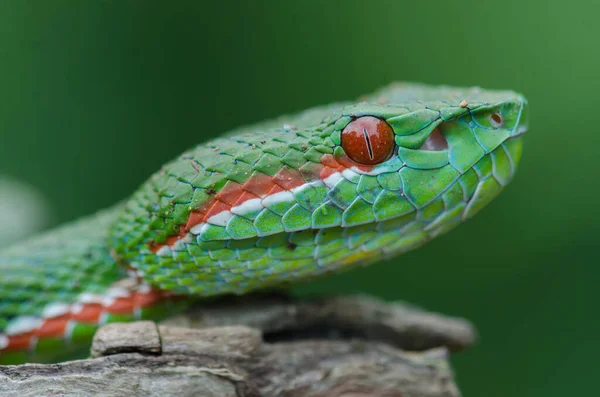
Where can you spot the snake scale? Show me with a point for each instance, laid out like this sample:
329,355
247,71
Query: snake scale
265,205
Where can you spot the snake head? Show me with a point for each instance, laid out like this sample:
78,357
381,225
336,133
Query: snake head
462,141
321,191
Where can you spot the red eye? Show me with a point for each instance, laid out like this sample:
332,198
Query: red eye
368,140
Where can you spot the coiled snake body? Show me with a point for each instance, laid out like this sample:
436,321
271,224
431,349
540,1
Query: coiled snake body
265,205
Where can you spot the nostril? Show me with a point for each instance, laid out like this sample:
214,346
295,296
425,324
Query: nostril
435,141
496,120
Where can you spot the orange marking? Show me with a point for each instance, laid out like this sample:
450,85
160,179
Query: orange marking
154,247
173,239
244,197
276,189
148,299
52,327
311,171
230,193
194,219
121,306
217,208
55,327
259,184
327,172
347,162
19,342
90,313
329,161
288,178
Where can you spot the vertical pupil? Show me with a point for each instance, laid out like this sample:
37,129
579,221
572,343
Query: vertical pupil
368,140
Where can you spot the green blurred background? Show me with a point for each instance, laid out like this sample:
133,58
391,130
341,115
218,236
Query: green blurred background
96,95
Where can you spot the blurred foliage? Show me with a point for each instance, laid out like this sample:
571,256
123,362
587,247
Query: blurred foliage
23,211
96,95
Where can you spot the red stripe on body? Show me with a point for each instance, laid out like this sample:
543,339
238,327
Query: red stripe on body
18,342
234,194
90,313
142,300
52,327
230,193
260,185
288,178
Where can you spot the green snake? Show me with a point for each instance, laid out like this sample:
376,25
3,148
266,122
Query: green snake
265,205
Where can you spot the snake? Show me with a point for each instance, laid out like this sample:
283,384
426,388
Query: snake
263,206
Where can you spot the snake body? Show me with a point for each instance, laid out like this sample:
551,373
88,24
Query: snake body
264,205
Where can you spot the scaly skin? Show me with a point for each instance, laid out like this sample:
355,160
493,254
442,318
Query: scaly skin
265,205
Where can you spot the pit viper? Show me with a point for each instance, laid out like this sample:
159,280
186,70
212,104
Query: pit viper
265,205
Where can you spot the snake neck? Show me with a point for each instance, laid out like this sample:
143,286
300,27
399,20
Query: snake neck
58,288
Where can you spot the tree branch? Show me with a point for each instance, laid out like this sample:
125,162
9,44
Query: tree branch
278,347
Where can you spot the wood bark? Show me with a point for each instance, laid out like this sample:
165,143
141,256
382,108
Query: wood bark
353,346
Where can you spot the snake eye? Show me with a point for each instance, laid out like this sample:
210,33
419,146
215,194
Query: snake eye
368,140
496,120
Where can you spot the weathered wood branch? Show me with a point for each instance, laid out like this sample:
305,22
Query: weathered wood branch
265,346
